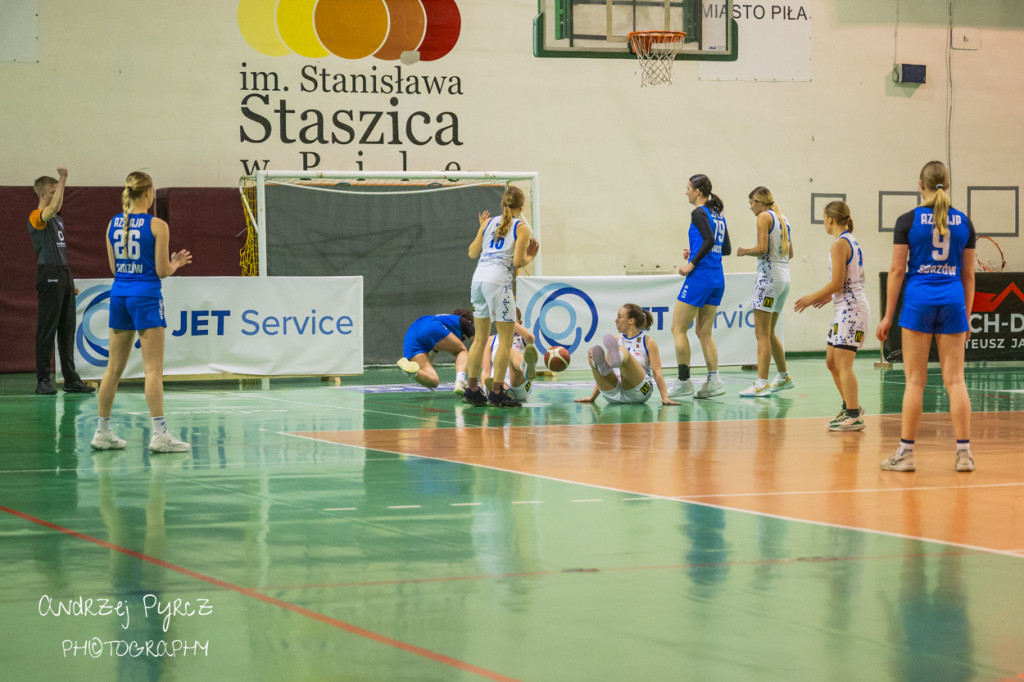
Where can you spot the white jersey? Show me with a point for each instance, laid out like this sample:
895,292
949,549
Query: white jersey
637,347
496,256
853,287
773,265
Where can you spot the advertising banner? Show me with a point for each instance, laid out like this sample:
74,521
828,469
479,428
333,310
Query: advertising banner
576,313
264,326
997,320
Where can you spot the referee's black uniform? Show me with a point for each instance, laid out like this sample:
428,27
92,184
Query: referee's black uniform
56,289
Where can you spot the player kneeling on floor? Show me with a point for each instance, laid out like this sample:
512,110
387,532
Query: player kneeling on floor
430,335
628,367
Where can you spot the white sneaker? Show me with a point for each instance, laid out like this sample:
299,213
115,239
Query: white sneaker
901,460
530,357
165,442
711,387
681,389
460,386
782,384
107,441
408,366
756,391
964,461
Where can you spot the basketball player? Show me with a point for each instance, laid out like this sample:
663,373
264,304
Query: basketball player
774,249
933,247
849,325
55,288
137,249
703,288
430,335
625,369
522,365
502,244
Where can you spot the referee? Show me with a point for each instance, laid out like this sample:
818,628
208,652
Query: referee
55,287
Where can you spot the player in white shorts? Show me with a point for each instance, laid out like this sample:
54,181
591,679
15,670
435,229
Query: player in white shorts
630,368
774,249
502,244
846,292
522,365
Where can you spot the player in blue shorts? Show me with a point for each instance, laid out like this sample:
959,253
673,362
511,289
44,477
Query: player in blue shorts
433,334
702,289
933,247
137,249
845,290
774,249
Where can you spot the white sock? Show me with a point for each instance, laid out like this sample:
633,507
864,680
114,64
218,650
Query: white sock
103,425
761,383
159,425
712,375
782,376
460,376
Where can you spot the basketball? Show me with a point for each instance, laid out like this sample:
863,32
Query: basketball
556,359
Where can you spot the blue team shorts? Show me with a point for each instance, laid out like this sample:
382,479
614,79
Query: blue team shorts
700,293
422,336
934,318
136,313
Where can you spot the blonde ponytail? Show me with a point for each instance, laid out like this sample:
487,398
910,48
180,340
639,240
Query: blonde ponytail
763,195
935,178
512,199
135,185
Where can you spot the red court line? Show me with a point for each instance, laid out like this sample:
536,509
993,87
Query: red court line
327,620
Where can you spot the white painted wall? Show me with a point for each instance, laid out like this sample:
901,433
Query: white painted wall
124,85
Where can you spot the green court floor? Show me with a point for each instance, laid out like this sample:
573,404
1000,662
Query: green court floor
265,555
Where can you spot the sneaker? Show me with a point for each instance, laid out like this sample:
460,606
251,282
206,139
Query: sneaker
964,460
78,386
165,442
839,417
681,389
460,386
614,355
601,363
757,392
711,387
849,422
474,396
45,387
530,356
901,460
408,366
782,384
107,441
500,398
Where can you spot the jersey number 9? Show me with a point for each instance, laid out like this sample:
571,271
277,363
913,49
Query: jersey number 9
941,244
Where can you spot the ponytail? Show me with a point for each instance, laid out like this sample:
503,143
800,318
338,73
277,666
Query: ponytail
935,178
840,212
643,318
135,185
763,195
702,184
512,199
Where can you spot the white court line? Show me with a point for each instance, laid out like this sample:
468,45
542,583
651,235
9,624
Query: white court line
825,524
466,504
527,502
406,506
340,509
846,492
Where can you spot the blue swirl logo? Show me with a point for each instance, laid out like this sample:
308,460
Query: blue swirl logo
556,318
94,349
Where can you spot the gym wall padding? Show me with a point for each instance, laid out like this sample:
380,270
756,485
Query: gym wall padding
207,221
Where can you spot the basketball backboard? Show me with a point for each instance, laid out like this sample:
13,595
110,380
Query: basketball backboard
600,28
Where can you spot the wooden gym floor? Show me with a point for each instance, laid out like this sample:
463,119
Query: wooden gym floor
370,530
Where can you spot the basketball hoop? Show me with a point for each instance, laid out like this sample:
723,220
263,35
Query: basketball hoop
655,50
989,256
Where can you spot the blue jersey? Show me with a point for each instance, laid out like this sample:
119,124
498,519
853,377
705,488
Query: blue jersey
134,257
935,261
709,268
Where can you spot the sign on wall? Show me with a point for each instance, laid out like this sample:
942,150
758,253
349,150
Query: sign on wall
238,325
775,44
576,313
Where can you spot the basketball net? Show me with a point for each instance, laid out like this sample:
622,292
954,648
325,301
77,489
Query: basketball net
655,50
